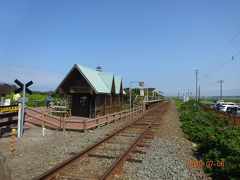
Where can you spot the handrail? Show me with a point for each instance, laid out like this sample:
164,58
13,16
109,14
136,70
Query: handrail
46,114
89,123
40,119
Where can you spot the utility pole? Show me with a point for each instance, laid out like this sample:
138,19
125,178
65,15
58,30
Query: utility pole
178,94
221,82
196,72
199,95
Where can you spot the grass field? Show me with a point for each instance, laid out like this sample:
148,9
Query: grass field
39,96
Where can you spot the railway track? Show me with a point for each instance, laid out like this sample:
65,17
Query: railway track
105,158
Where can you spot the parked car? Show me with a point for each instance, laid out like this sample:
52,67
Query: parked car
231,110
224,106
217,104
234,110
238,111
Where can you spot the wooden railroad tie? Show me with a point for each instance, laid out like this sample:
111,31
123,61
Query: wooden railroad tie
113,157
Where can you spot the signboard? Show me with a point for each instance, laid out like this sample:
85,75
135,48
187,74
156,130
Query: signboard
9,108
141,92
7,102
141,84
22,99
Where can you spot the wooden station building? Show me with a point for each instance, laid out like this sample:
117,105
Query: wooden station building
91,92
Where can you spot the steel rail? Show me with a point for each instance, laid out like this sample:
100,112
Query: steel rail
117,163
53,171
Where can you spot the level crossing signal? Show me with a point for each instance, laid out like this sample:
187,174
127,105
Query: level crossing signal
21,87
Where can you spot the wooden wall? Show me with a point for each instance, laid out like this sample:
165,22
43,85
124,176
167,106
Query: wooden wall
107,104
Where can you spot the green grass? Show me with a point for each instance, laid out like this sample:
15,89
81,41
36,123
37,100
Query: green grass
32,97
178,103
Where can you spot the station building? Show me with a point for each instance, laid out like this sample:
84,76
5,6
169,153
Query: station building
92,92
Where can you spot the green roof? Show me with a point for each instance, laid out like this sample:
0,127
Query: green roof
118,81
101,82
107,78
93,78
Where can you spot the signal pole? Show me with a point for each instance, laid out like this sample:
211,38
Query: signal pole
221,81
196,72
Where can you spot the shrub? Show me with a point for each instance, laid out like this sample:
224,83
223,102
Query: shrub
217,140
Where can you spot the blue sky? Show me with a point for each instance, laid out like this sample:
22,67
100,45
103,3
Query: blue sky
158,42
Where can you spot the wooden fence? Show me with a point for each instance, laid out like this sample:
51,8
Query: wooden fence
233,119
46,120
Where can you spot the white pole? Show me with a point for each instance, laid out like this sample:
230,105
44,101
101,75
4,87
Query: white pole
19,120
23,108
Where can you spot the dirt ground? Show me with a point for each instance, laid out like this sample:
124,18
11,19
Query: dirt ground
34,154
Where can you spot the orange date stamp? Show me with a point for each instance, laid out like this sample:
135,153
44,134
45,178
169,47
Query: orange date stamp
208,163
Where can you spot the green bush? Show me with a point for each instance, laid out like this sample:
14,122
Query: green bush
217,140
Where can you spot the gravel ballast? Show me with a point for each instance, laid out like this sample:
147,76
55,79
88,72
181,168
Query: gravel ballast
166,157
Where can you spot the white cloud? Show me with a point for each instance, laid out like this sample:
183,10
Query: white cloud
43,80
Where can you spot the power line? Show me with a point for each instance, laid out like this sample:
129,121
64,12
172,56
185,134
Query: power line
230,50
231,44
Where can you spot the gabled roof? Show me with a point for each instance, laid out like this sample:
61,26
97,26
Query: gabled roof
94,80
101,82
107,78
118,82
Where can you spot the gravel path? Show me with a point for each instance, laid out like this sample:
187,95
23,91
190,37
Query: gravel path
166,158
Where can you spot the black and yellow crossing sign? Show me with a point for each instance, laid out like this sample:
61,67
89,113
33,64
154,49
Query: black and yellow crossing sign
9,108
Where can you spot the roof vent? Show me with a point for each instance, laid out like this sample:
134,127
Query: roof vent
99,69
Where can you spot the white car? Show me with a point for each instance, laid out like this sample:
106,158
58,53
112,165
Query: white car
234,111
217,104
225,105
